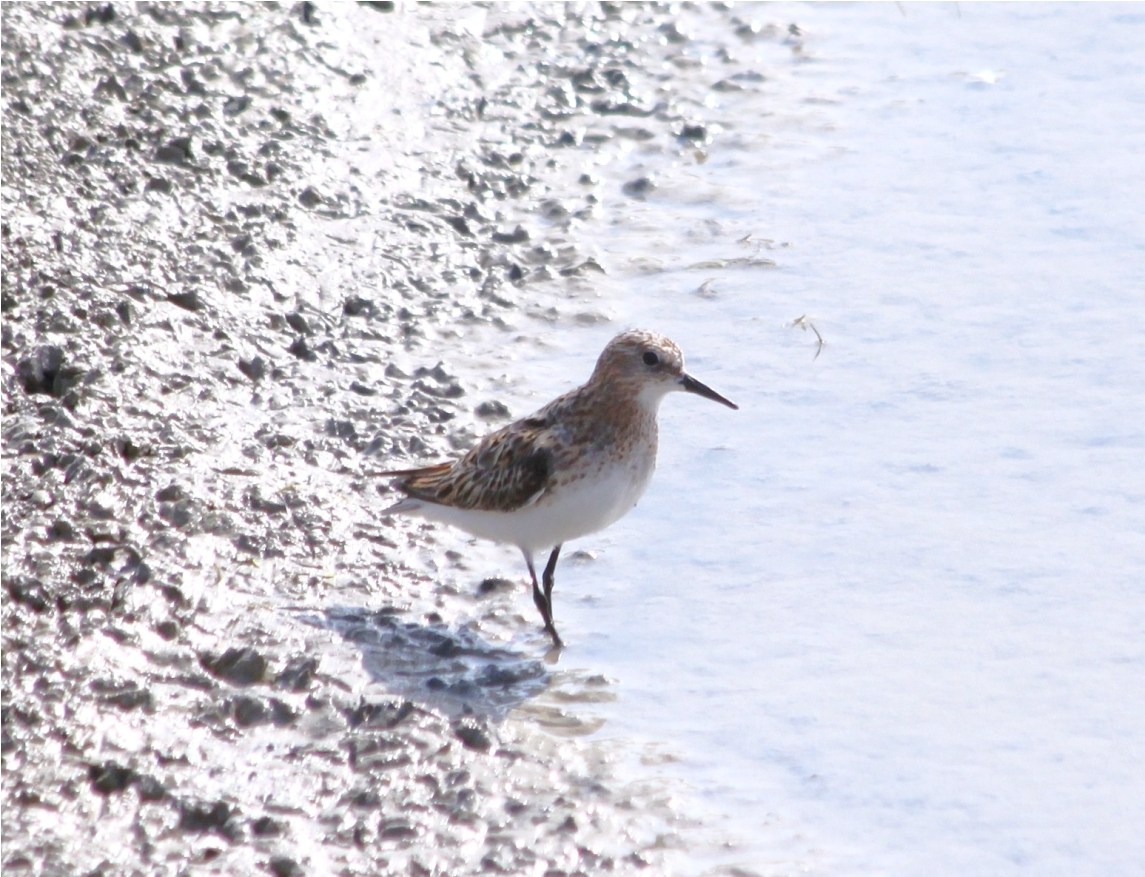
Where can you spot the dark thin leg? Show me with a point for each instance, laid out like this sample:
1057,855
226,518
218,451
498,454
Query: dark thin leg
550,569
538,597
542,600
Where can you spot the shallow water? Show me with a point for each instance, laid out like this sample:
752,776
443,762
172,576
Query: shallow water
889,617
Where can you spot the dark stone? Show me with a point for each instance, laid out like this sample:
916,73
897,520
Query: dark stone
84,577
281,866
110,777
397,829
697,133
232,106
102,513
640,134
472,735
459,225
490,586
356,306
200,818
250,544
103,555
132,41
450,390
131,451
379,714
341,429
277,440
248,711
297,675
298,323
171,493
236,666
492,410
281,713
516,236
639,188
582,268
177,151
61,530
188,301
256,503
177,514
30,593
44,372
150,789
301,349
172,594
130,698
194,86
104,14
622,108
366,799
255,368
362,389
264,826
447,648
309,197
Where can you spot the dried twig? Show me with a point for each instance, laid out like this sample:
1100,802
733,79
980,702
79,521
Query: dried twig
805,324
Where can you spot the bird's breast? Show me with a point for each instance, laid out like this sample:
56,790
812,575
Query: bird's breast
592,493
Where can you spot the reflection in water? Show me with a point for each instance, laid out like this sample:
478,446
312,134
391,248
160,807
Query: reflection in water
459,672
563,707
454,671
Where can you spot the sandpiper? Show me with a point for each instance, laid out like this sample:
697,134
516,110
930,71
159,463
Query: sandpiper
572,468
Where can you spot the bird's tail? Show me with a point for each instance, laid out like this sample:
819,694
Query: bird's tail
406,505
410,504
407,473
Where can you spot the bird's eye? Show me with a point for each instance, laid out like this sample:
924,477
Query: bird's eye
650,358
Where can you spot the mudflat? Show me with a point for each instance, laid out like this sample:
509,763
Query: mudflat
223,224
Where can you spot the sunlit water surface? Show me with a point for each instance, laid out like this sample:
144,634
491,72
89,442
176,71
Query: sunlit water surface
889,618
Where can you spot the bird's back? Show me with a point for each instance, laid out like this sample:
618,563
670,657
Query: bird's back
572,468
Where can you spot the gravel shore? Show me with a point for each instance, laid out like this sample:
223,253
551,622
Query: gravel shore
239,245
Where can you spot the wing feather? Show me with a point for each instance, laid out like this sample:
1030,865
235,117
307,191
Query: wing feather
506,470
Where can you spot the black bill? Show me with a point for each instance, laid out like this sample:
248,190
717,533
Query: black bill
690,384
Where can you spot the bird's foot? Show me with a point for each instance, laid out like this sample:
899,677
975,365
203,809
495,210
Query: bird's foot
551,630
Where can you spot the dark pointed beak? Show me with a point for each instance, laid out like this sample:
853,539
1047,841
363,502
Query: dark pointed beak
690,384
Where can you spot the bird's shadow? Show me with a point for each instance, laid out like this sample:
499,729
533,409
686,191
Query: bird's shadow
455,671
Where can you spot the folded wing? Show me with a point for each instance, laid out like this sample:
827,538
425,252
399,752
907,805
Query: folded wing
505,471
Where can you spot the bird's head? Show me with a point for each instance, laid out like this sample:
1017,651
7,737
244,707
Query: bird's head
650,366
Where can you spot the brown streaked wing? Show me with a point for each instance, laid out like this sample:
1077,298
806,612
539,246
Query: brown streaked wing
504,471
420,470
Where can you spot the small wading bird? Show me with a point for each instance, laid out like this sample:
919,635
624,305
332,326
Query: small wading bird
574,467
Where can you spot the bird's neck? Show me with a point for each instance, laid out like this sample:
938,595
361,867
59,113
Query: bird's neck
629,412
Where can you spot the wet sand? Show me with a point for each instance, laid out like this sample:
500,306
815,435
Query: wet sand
228,232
